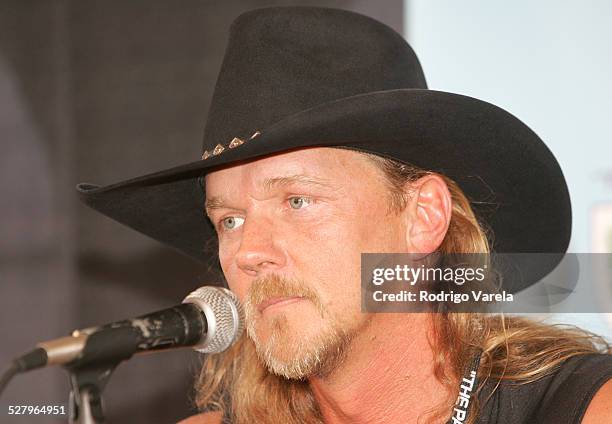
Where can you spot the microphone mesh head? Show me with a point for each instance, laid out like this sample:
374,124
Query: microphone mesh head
224,317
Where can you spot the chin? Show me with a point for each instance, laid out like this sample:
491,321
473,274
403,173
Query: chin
295,350
286,334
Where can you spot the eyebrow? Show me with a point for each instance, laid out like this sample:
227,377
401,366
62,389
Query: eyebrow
216,202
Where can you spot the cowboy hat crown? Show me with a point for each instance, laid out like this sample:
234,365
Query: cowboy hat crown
280,61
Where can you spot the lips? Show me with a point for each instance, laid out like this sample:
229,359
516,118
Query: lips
277,301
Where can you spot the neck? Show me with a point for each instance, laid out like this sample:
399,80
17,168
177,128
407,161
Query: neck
387,376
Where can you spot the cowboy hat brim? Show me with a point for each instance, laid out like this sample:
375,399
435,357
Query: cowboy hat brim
511,178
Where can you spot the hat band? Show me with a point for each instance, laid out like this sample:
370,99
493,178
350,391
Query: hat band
219,148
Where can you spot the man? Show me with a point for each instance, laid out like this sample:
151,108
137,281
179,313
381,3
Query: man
323,143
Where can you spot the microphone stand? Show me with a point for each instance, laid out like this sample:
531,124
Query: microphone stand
86,393
89,377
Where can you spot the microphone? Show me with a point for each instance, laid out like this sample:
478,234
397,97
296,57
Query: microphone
210,319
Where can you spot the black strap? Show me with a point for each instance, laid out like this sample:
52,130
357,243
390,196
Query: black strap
467,388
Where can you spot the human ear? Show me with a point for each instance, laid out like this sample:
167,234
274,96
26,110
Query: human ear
428,212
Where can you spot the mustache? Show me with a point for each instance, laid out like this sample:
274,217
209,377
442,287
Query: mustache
273,285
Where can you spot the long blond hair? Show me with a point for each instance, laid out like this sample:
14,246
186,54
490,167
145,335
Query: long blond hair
513,348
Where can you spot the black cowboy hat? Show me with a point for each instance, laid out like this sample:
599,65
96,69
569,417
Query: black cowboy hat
297,77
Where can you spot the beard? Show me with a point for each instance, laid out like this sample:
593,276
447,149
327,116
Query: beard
287,352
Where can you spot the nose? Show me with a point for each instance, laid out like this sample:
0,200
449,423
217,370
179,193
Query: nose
259,250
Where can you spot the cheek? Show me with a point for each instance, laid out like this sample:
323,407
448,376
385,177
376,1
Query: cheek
232,275
329,254
352,231
239,289
378,230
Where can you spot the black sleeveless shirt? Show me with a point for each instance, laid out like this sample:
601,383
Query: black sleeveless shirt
559,398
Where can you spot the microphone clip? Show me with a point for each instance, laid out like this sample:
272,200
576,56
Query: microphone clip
87,383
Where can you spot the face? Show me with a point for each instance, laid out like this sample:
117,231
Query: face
291,230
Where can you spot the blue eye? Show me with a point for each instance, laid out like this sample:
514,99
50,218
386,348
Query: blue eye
299,202
231,222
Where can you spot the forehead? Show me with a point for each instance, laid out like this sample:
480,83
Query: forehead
329,165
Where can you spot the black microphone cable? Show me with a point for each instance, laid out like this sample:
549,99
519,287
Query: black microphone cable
33,359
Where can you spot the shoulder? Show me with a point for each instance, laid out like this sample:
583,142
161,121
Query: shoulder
578,391
600,408
581,392
204,418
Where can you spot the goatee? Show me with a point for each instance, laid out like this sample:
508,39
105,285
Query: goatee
285,352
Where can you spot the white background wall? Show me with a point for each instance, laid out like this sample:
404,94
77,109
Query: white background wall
550,64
